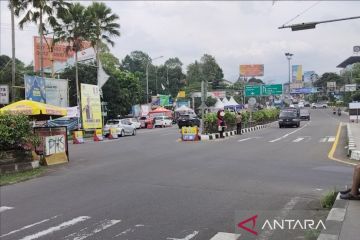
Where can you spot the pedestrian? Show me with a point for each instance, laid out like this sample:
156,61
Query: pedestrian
353,192
221,123
238,123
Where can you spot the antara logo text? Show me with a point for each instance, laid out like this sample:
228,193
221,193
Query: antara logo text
282,224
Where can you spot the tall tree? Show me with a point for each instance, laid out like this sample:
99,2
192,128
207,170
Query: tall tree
75,32
40,12
103,26
329,77
211,70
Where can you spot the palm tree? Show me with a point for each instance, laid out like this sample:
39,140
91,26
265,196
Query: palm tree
39,12
74,30
103,26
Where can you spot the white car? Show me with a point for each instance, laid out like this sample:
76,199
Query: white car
301,105
162,121
123,127
135,122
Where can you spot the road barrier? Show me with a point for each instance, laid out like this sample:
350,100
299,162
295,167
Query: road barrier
78,137
98,136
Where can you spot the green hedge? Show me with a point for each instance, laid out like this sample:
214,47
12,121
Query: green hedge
258,117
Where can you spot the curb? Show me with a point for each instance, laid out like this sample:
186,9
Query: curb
334,220
213,136
17,167
353,153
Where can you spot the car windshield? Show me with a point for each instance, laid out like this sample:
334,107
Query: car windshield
112,122
185,116
304,111
288,114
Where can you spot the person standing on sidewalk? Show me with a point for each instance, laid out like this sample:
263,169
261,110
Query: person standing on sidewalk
238,123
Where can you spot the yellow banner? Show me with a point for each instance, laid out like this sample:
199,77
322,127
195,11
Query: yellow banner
181,94
91,106
78,134
98,132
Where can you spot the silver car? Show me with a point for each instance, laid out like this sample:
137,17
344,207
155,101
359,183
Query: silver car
123,127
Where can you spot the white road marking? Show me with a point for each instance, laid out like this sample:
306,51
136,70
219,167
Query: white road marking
331,139
298,139
125,232
286,135
139,225
323,140
100,227
28,226
56,228
188,237
283,213
225,236
245,139
4,208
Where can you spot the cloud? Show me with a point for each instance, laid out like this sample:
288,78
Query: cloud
234,32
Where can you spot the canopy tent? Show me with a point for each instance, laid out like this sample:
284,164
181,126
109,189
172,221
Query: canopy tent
219,104
160,111
232,105
225,101
184,109
39,111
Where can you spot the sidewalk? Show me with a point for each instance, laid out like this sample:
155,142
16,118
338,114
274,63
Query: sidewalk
354,140
350,227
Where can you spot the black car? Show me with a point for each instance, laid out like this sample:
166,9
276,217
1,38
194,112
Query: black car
188,121
289,117
305,114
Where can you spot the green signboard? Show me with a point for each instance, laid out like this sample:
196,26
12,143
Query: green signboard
252,90
272,89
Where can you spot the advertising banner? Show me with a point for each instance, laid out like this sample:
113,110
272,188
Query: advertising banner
185,103
145,108
350,87
59,55
189,133
72,112
251,70
35,88
164,100
296,73
296,85
91,106
218,94
56,92
308,76
4,94
181,94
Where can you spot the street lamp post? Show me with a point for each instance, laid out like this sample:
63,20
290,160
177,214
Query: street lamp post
147,76
289,56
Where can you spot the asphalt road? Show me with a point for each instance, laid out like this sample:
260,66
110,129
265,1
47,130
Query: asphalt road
153,187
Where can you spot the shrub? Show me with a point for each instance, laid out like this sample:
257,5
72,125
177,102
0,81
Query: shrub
258,117
16,132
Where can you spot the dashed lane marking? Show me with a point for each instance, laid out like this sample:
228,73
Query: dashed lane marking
5,208
225,236
56,228
298,140
28,226
82,234
286,135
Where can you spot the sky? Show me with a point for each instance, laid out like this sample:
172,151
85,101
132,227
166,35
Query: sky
234,32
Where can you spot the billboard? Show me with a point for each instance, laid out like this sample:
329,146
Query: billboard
296,73
251,70
35,88
56,92
91,106
4,94
350,87
308,76
59,55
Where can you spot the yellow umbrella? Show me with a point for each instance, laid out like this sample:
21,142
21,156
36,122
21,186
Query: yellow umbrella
35,109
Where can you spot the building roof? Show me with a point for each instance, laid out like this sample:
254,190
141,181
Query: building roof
349,61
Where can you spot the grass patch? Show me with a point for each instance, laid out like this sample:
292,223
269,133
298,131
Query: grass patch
327,201
312,234
11,178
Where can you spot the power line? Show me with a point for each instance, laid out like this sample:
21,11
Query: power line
302,13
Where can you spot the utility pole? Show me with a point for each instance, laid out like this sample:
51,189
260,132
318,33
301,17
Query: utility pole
289,56
13,66
147,76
